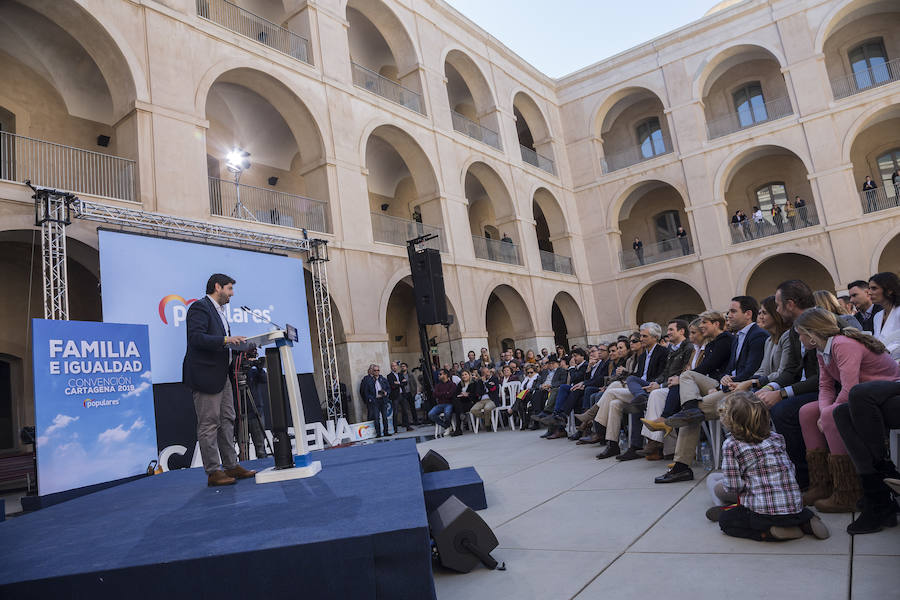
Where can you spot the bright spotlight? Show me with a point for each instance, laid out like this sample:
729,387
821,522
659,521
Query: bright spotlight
237,160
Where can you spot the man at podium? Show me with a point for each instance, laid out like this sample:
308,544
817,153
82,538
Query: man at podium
205,371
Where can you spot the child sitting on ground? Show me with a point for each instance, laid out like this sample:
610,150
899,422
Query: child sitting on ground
757,471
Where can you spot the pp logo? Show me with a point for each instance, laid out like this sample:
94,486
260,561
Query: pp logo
179,311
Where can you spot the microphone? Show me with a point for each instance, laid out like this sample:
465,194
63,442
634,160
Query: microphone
260,315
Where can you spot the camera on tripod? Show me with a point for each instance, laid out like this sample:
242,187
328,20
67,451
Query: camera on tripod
248,369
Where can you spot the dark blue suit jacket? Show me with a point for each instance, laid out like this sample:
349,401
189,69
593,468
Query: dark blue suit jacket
367,387
205,366
751,356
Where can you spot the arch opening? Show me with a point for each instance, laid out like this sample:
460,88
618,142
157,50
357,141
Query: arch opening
781,267
492,219
653,213
875,153
668,299
634,129
507,318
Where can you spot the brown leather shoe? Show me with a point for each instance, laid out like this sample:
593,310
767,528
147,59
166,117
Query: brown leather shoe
595,438
559,433
217,478
239,472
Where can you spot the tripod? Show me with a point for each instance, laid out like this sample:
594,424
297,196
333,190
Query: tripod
248,428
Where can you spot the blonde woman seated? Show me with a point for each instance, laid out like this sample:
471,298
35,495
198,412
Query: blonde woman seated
846,357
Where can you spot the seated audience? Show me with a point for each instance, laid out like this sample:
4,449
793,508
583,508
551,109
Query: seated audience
490,398
444,396
468,390
864,308
884,290
872,409
846,357
828,301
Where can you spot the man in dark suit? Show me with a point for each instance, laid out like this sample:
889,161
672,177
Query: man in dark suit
577,374
399,384
865,309
205,372
374,389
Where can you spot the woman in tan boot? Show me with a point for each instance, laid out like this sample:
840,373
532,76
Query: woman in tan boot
848,357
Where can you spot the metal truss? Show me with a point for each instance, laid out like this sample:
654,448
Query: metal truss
52,214
318,259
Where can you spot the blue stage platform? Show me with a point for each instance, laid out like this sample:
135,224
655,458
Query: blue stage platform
356,530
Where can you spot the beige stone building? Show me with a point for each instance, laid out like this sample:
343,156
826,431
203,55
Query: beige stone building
370,120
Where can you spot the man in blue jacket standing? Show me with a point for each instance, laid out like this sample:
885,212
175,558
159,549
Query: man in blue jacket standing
205,371
374,389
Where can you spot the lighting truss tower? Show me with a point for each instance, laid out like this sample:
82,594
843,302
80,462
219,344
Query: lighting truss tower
53,210
51,214
318,259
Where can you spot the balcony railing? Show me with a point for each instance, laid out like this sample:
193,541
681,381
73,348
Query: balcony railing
397,231
496,250
266,206
53,165
556,263
748,231
475,130
384,87
744,119
249,25
538,160
632,156
880,199
654,253
860,81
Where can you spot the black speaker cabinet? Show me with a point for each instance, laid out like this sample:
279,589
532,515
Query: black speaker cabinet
432,461
456,530
428,287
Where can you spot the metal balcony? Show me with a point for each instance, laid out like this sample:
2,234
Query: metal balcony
654,253
631,156
538,160
475,130
252,26
748,231
397,231
48,164
266,206
496,250
881,198
757,115
860,81
556,263
378,84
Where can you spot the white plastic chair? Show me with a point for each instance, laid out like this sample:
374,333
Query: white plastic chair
894,436
713,430
508,392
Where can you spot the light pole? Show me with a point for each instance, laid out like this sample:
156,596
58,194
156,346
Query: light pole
237,161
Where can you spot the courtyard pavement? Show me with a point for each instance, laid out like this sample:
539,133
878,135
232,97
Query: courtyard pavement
573,527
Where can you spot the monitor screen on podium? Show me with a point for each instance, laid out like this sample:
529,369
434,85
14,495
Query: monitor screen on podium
153,281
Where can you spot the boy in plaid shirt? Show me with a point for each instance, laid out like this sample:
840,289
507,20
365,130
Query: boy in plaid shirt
756,469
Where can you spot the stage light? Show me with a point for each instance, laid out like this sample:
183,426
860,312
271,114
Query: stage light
273,180
237,160
103,140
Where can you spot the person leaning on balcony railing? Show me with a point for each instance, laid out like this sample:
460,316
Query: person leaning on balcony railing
895,181
777,218
790,211
681,234
870,188
758,221
638,246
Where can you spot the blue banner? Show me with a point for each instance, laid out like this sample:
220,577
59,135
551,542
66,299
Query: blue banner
93,403
153,281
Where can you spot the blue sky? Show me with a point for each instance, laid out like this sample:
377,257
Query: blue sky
565,35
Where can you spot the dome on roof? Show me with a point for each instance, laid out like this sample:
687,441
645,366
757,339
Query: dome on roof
722,6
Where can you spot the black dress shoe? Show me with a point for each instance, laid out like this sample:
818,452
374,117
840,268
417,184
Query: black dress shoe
456,432
547,420
630,454
612,449
671,476
575,436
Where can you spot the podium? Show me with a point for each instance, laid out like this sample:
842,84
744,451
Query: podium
284,340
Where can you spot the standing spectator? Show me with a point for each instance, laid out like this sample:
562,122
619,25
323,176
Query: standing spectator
846,357
865,308
444,395
758,221
745,225
790,211
884,289
472,364
398,382
800,205
756,468
870,188
374,389
638,246
408,391
506,239
778,218
738,234
895,181
682,236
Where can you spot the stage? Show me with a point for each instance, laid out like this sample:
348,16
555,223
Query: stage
356,530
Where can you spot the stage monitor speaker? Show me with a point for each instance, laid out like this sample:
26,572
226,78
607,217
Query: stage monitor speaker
432,461
462,537
428,287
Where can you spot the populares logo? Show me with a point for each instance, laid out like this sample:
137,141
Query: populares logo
180,308
179,311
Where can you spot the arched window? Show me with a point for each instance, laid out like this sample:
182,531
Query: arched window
888,163
771,194
750,104
650,138
869,63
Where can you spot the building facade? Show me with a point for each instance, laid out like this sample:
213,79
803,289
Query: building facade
372,121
